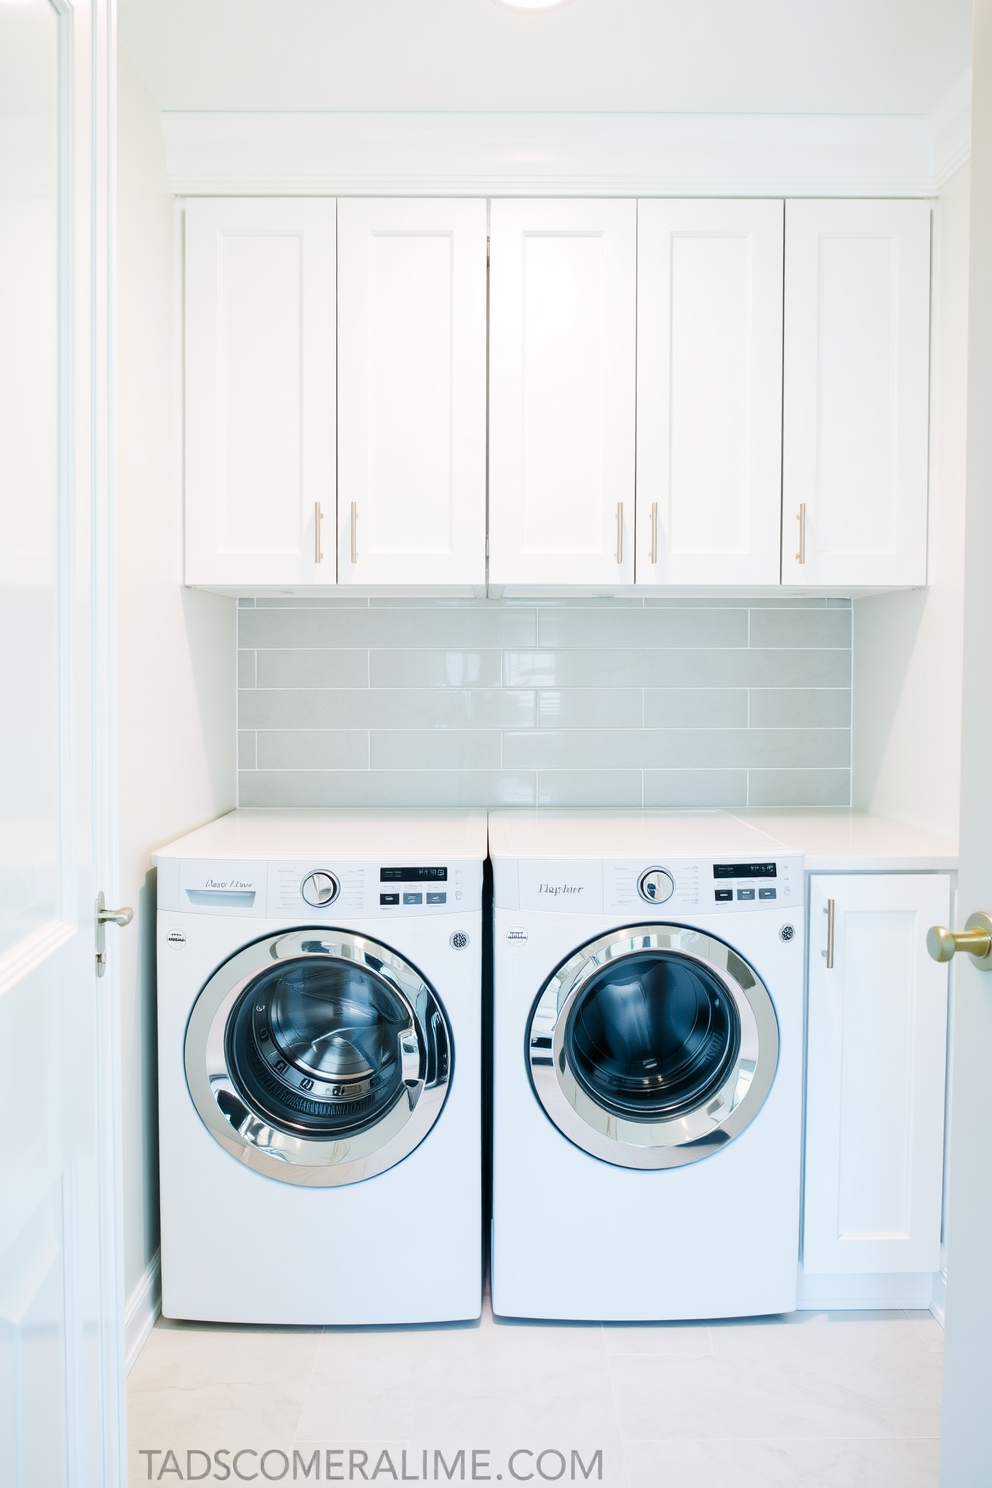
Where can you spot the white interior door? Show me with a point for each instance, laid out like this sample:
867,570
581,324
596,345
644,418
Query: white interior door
857,374
259,375
709,391
561,392
61,1340
876,1040
966,1442
412,392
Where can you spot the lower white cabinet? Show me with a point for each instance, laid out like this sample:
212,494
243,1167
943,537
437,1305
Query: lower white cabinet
877,1034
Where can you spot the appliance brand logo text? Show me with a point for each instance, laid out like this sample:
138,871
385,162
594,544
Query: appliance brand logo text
555,889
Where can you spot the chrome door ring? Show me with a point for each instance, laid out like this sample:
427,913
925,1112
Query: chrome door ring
252,1137
630,1143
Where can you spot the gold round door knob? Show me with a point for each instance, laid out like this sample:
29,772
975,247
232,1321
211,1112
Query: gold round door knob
975,938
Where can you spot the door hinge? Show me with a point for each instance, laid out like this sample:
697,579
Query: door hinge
105,917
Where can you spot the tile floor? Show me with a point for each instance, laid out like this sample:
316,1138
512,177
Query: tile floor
836,1400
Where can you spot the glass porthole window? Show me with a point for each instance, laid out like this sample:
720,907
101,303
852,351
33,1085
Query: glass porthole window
652,1036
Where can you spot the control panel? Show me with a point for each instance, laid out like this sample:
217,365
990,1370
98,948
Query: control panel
672,885
328,891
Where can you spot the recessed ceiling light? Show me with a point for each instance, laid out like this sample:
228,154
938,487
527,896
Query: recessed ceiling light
532,4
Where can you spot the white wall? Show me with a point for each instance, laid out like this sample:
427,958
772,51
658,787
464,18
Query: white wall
176,646
907,647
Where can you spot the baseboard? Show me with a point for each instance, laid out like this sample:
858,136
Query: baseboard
857,1292
143,1307
939,1298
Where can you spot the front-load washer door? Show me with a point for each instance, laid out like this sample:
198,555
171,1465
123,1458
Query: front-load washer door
318,1056
653,1046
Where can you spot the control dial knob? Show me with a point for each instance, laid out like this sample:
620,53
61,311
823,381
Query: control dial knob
320,889
656,885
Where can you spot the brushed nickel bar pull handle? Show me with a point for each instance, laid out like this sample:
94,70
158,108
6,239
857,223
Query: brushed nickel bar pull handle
619,531
654,532
829,952
801,519
318,556
354,532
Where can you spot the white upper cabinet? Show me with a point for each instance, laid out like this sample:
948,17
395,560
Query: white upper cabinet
877,1030
562,393
857,317
412,392
709,391
260,418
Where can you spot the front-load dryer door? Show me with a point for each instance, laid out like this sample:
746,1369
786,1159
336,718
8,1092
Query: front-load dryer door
318,1057
653,1046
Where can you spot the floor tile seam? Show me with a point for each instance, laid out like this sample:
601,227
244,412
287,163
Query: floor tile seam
309,1385
564,729
759,1440
616,1402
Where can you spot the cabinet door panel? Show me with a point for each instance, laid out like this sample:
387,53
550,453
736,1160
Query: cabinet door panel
412,392
260,361
875,1076
562,404
857,318
709,387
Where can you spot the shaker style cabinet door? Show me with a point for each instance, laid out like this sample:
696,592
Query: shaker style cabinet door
709,391
561,393
875,1074
855,449
259,360
412,392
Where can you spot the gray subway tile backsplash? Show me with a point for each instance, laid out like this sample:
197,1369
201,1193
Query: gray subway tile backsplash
661,702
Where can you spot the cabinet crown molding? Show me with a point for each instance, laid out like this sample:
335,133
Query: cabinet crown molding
449,154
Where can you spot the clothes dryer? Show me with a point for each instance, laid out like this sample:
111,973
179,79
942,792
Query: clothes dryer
648,1055
319,1014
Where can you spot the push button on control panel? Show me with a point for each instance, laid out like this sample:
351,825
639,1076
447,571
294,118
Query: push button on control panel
413,898
766,893
723,896
389,898
745,893
437,898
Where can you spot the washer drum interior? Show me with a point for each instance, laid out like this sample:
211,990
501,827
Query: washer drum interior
653,1046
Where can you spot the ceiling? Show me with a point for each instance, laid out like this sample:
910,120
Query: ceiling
669,56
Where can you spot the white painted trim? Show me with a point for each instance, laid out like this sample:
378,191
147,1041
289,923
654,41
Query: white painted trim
950,130
857,1292
142,1310
464,154
939,1299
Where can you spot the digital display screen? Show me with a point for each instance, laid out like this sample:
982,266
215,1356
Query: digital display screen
413,875
744,870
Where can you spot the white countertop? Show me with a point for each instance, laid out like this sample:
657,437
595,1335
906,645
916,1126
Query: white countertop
354,833
591,834
842,838
831,838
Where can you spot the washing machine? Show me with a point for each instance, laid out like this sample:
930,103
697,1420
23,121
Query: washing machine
319,1023
648,1055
